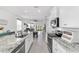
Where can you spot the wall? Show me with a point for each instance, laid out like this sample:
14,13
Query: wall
11,20
69,15
52,16
23,26
28,21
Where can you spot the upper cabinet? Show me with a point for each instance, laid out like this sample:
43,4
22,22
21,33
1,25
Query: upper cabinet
69,16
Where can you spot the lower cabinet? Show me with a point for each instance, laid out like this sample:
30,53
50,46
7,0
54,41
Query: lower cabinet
22,49
25,45
28,42
57,48
49,44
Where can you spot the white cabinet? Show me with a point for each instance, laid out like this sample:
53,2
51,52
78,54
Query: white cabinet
26,45
57,48
28,42
69,16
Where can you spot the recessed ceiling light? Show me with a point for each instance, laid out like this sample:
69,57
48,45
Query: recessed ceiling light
36,7
39,11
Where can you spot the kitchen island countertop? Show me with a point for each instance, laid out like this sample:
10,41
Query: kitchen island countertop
10,42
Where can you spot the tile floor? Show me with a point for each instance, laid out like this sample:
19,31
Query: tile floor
39,44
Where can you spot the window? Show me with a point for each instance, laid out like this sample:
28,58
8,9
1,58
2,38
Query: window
19,25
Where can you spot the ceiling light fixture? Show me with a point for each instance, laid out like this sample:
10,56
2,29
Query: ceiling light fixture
39,11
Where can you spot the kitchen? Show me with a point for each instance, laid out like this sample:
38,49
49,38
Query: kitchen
39,29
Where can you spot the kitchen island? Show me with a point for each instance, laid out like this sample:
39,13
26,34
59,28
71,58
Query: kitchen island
11,44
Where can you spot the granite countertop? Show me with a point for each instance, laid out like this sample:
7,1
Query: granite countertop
8,43
70,47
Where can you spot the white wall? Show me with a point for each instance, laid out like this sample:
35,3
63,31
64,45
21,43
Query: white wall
52,16
11,19
69,15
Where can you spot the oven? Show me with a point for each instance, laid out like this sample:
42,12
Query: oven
49,44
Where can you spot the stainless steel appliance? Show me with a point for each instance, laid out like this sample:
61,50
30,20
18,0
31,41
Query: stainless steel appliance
50,42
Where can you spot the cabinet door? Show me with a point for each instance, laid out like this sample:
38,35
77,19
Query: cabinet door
57,48
28,42
54,46
60,49
22,49
69,16
26,45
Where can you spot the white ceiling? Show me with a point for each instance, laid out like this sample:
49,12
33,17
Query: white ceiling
36,13
29,12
